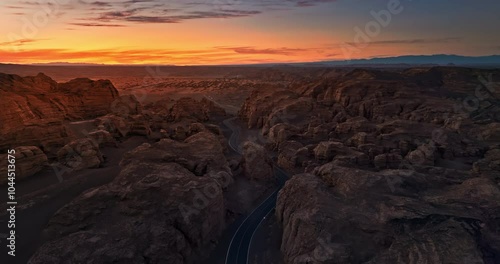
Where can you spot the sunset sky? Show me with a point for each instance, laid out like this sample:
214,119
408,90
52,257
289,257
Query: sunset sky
190,32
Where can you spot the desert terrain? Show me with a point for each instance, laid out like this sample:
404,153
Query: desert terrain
242,164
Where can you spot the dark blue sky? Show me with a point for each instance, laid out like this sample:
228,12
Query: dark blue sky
240,31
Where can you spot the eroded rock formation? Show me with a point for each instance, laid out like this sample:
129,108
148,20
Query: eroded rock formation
166,206
256,163
80,154
28,161
399,170
34,108
189,108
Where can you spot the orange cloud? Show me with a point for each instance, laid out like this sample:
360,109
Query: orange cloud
183,57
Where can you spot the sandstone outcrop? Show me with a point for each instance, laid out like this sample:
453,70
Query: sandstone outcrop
326,151
260,104
48,134
117,126
292,154
122,126
342,217
139,126
28,161
102,138
80,154
87,98
423,155
489,164
35,107
165,206
191,109
201,154
281,132
388,165
398,169
126,105
256,163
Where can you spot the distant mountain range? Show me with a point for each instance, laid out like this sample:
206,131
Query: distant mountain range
438,59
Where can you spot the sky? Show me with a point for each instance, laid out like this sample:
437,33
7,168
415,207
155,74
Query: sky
207,32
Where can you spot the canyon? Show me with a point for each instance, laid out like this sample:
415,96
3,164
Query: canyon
375,165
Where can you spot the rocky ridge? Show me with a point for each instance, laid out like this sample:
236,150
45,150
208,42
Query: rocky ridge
398,167
36,108
125,221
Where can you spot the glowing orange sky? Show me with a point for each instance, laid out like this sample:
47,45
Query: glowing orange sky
229,31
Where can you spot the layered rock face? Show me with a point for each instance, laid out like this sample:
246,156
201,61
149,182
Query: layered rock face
88,99
47,134
126,105
117,126
269,107
399,167
35,107
125,118
80,154
189,108
416,116
165,206
344,215
256,163
102,138
28,161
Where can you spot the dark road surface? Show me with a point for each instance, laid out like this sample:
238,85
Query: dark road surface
32,220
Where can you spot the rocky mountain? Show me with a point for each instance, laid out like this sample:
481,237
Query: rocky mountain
191,109
391,166
28,161
166,206
35,108
167,203
436,59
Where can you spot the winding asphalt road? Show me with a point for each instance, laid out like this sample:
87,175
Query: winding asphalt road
239,247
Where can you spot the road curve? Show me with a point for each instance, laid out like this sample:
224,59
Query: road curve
239,247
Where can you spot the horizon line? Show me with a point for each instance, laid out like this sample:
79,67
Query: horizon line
76,64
